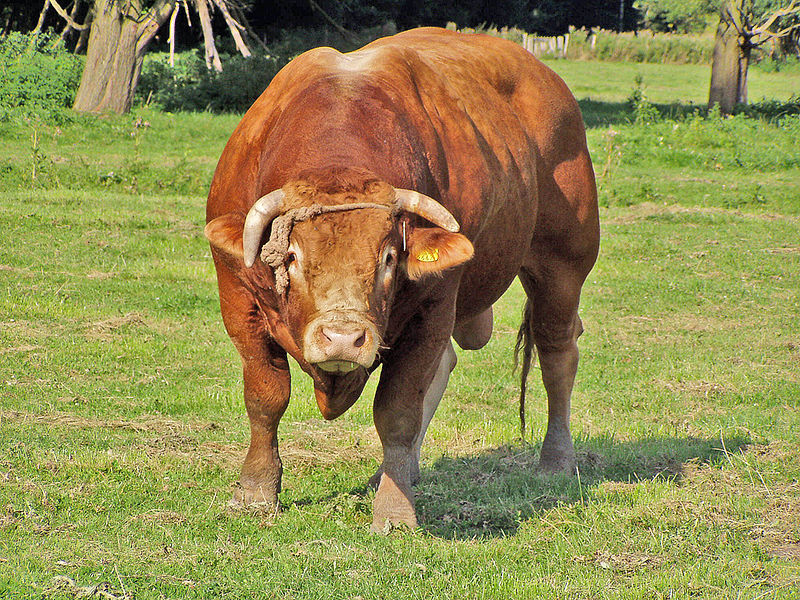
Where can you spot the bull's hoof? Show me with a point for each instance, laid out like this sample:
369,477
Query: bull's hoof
261,497
558,452
556,461
393,507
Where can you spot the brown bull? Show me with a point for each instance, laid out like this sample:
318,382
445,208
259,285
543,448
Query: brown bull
372,205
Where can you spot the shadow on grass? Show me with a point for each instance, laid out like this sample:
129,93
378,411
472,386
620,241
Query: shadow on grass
598,113
490,494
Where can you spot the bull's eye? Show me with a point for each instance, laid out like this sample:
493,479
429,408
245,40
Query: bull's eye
390,258
291,258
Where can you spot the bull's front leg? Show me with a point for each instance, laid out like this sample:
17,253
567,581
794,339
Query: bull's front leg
266,396
399,414
266,390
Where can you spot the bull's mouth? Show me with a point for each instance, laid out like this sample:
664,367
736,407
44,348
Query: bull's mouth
337,367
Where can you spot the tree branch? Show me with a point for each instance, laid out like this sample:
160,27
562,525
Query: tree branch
235,28
762,32
42,15
172,19
347,34
63,14
152,21
242,18
793,8
212,56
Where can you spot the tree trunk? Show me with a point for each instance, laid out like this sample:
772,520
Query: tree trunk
744,64
83,38
726,68
73,15
114,56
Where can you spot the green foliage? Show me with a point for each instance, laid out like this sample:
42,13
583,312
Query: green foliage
189,85
644,46
643,110
677,16
36,74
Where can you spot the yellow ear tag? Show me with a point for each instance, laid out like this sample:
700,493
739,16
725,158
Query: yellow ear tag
428,255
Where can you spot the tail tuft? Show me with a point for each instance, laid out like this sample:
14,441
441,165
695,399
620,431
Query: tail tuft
525,344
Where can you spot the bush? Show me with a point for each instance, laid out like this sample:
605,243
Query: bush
644,46
189,85
37,73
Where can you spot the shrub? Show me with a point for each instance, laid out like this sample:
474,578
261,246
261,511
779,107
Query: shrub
37,73
644,46
189,85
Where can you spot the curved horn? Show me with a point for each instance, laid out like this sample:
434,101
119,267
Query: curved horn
427,208
258,219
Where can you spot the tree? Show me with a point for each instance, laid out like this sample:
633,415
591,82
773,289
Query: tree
740,30
121,31
678,16
118,40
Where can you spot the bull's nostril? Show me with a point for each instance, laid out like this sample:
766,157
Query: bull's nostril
335,340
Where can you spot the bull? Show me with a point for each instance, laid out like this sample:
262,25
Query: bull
372,206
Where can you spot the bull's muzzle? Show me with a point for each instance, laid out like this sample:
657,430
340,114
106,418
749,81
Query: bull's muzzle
340,344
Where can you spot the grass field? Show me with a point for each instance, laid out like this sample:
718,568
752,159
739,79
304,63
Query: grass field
122,426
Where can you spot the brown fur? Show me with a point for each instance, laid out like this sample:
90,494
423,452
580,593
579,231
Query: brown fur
474,122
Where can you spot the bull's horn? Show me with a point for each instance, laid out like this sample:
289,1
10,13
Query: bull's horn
258,219
426,207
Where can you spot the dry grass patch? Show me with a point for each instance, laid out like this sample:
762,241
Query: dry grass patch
148,423
106,329
625,562
315,443
646,210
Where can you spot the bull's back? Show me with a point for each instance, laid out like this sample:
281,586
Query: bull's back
519,176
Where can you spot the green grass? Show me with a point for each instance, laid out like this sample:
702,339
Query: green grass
665,84
122,425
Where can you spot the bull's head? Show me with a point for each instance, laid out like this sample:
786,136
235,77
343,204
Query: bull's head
339,243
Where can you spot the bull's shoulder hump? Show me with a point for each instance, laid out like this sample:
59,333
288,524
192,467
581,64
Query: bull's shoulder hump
466,63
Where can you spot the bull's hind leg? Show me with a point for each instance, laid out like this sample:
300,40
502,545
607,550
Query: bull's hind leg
555,327
431,402
470,335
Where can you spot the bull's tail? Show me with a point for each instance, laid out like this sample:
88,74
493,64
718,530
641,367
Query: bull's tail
525,344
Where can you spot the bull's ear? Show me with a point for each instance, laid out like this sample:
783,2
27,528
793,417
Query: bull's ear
225,234
432,250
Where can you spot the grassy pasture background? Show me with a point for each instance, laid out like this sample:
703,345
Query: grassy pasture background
122,425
